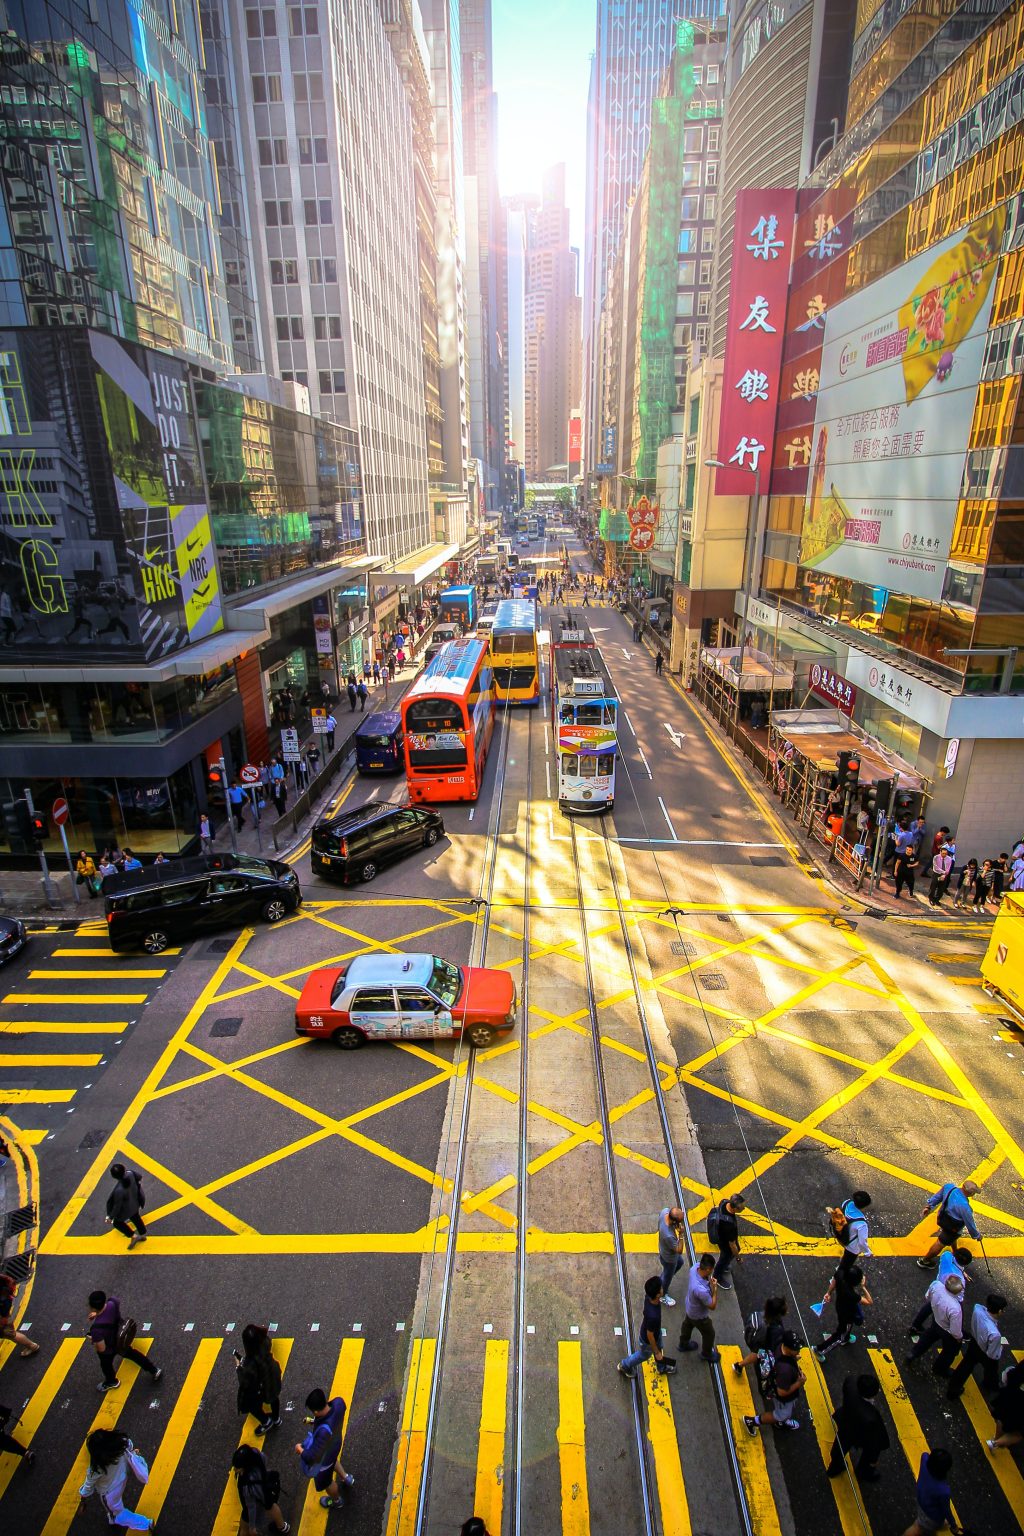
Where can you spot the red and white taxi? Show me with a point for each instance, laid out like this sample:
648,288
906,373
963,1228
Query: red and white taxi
405,997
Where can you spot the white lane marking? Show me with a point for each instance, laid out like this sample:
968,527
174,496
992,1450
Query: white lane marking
696,842
678,737
472,813
668,818
628,721
643,759
547,778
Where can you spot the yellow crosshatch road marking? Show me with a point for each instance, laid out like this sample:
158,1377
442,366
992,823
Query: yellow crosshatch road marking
773,925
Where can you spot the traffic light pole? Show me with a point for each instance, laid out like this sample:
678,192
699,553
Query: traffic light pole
49,890
229,808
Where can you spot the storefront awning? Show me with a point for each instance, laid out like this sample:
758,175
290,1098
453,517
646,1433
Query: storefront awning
820,734
760,673
194,661
415,567
258,611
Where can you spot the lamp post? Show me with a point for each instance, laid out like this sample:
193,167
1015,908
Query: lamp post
747,572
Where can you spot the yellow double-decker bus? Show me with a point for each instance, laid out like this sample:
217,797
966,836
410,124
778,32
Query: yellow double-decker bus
513,652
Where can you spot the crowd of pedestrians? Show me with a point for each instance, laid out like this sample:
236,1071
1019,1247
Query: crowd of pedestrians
909,854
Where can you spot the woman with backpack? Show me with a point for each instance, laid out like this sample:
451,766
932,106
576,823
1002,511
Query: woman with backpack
763,1332
111,1457
259,1378
259,1488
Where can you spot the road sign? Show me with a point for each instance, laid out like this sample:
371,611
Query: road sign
249,773
290,745
319,721
60,812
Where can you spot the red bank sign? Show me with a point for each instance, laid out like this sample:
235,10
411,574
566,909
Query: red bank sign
575,439
761,255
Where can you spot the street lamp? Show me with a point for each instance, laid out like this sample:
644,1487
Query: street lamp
747,573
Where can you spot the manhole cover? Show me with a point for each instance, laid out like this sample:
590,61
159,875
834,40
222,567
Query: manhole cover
769,862
712,981
878,912
225,1027
220,946
94,1139
723,917
682,947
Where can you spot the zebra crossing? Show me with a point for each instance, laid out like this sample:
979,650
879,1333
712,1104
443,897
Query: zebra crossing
186,1428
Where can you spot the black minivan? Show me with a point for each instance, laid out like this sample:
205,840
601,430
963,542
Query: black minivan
153,907
356,844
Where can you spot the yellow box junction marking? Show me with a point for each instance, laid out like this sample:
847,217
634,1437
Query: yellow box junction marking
490,1452
412,1440
572,1441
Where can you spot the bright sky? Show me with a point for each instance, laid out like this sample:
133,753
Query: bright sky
542,54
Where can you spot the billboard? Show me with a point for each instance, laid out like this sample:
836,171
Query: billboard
899,375
761,255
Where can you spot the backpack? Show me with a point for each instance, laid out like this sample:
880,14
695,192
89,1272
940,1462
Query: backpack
714,1219
837,1224
766,1374
755,1332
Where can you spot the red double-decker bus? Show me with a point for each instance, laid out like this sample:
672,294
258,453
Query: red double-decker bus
448,721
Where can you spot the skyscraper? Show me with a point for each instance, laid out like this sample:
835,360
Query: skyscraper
551,328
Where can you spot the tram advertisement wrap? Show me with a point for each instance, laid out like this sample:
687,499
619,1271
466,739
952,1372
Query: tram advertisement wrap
587,740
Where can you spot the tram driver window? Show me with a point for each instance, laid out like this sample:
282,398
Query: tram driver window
588,767
571,764
606,764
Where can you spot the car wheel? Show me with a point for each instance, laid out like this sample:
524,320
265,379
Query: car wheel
481,1035
274,910
431,837
156,942
348,1039
368,871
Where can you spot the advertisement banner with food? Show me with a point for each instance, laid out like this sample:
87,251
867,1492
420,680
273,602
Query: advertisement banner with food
899,377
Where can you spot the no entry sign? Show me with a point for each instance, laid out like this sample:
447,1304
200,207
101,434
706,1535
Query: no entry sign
60,812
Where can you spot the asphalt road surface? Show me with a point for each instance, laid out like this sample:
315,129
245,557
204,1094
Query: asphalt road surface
800,1050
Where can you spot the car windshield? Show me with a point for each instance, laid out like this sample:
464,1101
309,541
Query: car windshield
446,981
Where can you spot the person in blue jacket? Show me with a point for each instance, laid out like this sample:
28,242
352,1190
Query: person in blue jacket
953,1203
319,1451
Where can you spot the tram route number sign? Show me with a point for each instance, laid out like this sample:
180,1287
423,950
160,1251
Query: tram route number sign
290,744
249,774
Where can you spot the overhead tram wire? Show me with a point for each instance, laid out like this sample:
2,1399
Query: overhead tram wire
675,911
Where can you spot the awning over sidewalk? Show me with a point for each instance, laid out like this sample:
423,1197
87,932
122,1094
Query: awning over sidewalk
760,674
819,735
259,610
193,661
415,567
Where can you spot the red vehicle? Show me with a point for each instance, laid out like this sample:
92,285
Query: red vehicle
448,721
405,997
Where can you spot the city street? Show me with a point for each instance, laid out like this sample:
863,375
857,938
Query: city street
801,1049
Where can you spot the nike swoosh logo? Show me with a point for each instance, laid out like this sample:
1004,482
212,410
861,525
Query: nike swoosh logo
152,554
201,591
190,544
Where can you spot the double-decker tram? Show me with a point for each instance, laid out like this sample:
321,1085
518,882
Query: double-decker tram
584,719
515,659
448,721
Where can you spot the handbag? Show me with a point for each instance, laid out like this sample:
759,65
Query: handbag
127,1328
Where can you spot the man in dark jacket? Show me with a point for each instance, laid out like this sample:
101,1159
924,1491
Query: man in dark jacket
125,1202
859,1423
105,1326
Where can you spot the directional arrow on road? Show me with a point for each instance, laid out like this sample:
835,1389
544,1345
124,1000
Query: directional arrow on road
677,736
628,654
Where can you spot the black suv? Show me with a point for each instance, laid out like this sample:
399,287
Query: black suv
153,907
356,844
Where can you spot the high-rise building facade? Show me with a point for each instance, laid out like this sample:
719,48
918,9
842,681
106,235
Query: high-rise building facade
517,213
485,362
328,139
551,322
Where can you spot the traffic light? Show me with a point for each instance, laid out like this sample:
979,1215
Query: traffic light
847,770
38,828
884,791
16,823
215,784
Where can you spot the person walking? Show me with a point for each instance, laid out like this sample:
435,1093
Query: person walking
726,1233
904,866
8,1330
984,1347
850,1294
1008,1410
376,673
849,1225
859,1426
259,1378
363,694
701,1301
953,1203
279,794
9,1443
350,689
236,800
649,1335
205,834
332,726
786,1382
965,883
259,1489
953,1261
934,1496
942,872
659,662
111,1338
111,1457
946,1325
85,874
125,1203
318,1453
670,1248
763,1333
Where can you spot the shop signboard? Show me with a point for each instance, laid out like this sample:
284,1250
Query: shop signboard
643,518
761,255
902,691
833,687
322,634
900,368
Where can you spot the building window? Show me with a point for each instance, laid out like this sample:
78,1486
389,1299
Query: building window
707,241
312,150
702,337
323,271
272,151
690,208
289,327
317,210
266,88
712,74
693,140
711,208
691,173
687,241
684,304
277,211
704,303
332,381
685,278
694,415
284,272
698,74
327,327
303,20
711,174
261,24
705,272
714,137
308,87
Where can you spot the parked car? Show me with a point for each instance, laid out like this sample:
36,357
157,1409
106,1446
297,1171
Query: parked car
13,938
405,997
358,844
157,906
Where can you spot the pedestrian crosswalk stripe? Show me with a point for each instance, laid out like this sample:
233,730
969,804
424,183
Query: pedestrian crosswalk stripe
55,1060
313,1521
412,1441
94,975
66,1503
183,1416
764,1516
38,1095
490,1454
572,1441
39,1403
668,1468
105,954
1003,1464
852,1515
908,1427
77,999
48,1027
229,1511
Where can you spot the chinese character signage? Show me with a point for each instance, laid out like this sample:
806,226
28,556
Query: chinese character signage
833,688
575,439
643,518
761,254
900,367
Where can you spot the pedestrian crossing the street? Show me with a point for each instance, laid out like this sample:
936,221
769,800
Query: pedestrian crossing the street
187,1431
65,1005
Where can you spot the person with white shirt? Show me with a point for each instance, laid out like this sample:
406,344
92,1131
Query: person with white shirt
946,1327
954,1261
984,1348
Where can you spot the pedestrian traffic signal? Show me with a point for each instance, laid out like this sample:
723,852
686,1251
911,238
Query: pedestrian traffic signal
16,822
215,783
884,791
847,770
38,828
